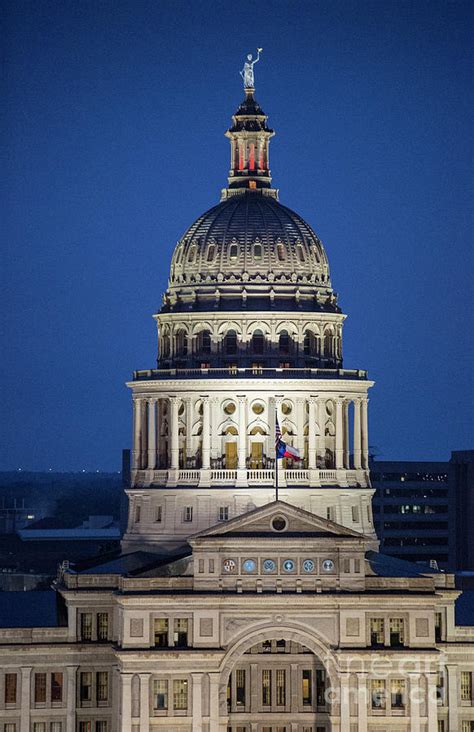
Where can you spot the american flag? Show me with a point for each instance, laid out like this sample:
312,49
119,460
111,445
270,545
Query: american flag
277,432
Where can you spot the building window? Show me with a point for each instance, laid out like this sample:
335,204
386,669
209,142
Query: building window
85,726
377,630
266,688
211,250
40,688
466,686
397,694
160,628
281,687
440,688
86,626
233,252
284,342
10,727
211,566
102,686
230,342
56,687
85,688
438,627
240,687
102,626
320,687
258,341
224,513
39,726
10,688
56,727
257,251
357,566
160,694
159,514
307,688
188,514
377,693
180,694
397,632
331,513
138,511
180,633
101,726
355,514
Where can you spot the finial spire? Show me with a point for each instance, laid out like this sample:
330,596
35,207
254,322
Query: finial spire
247,73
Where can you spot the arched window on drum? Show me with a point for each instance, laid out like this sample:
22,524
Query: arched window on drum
230,343
258,342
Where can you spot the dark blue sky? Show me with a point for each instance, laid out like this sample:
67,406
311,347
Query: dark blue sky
113,120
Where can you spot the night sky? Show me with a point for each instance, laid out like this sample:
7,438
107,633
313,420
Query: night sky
113,120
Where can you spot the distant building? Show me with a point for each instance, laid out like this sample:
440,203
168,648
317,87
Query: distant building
461,488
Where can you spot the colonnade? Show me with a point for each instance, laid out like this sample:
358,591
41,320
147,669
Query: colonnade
311,436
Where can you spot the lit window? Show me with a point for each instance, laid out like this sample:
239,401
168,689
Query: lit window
377,630
102,626
160,694
397,694
466,686
377,693
266,687
180,694
180,632
251,156
307,690
160,631
102,686
240,687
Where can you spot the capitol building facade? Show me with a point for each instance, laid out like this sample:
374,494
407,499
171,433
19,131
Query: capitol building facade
234,606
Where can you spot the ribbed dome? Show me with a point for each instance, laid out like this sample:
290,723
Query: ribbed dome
250,241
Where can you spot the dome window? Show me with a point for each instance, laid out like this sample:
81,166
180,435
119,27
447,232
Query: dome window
230,342
284,342
179,254
300,252
204,342
316,256
181,341
211,251
257,251
233,252
192,255
258,342
281,252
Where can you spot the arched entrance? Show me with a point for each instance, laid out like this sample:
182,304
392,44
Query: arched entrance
277,683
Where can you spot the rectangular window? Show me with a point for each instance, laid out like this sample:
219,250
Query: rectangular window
211,566
10,727
266,688
102,686
438,627
320,687
377,693
85,726
307,687
397,693
39,726
240,687
85,687
466,686
188,514
180,694
10,688
86,626
56,727
224,513
40,688
281,687
346,566
440,725
56,687
440,688
138,513
160,694
355,514
467,726
180,634
357,566
159,514
160,628
101,726
201,566
397,631
377,629
102,626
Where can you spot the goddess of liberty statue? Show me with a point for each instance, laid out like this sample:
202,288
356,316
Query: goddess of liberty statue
247,72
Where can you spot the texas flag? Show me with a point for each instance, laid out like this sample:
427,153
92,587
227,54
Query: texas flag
283,450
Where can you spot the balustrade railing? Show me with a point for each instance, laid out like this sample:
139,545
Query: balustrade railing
248,372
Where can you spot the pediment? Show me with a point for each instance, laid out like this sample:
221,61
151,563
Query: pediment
279,519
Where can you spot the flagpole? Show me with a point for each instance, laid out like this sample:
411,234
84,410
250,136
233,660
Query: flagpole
276,474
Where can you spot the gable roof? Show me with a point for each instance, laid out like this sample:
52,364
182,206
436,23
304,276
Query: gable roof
299,522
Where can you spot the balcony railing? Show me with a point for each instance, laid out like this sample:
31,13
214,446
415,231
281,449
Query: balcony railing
234,372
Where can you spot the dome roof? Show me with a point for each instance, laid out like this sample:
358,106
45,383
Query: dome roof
250,246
